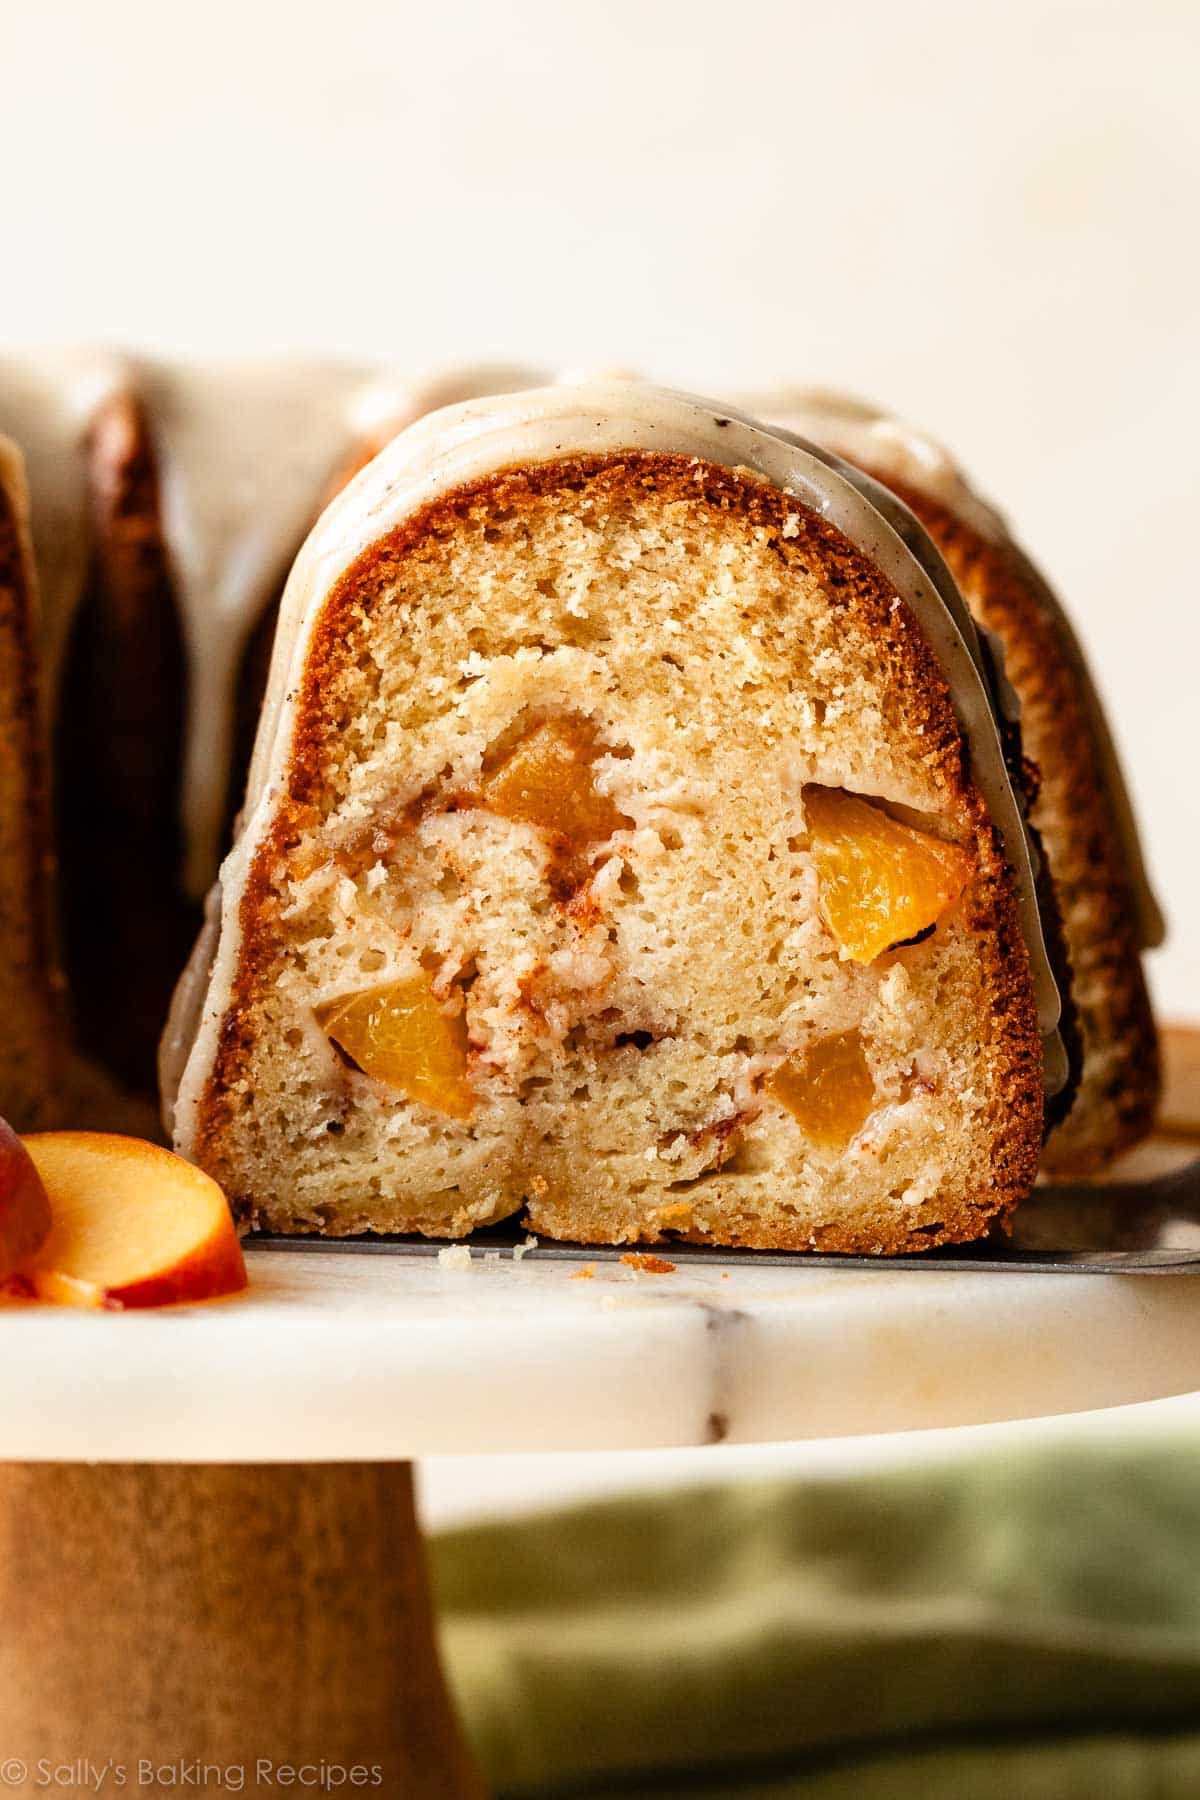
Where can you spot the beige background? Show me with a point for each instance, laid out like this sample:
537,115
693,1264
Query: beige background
984,214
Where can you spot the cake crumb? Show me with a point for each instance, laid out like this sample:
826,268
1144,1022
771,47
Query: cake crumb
586,1273
522,1250
454,1256
646,1264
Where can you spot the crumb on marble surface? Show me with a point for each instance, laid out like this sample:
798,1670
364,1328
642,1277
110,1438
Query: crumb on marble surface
647,1264
454,1256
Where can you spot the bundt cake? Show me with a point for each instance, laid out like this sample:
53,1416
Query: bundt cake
1079,806
628,837
165,504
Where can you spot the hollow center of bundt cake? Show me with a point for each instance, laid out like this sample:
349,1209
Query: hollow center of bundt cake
617,819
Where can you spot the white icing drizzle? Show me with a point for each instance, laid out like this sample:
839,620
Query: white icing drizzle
470,441
48,399
862,432
243,452
901,452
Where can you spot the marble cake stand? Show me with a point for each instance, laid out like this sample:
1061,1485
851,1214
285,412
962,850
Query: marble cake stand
208,1549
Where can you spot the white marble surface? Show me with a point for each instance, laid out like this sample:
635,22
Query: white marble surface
337,1356
471,1490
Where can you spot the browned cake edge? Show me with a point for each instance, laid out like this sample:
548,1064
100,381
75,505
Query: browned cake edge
31,1056
850,578
118,753
1119,1089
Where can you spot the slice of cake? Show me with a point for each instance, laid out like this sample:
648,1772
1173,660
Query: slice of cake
30,1040
1080,807
628,839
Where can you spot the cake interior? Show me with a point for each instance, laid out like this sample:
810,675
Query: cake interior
542,919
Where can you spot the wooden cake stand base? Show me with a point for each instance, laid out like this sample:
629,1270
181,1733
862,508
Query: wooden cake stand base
259,1620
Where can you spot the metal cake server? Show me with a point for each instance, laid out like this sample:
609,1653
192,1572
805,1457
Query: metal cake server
1124,1227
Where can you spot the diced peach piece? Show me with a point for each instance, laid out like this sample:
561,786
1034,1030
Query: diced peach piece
881,881
24,1208
547,781
133,1226
400,1035
827,1089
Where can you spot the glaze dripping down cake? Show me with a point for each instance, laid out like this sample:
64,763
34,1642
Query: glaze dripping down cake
628,839
1080,806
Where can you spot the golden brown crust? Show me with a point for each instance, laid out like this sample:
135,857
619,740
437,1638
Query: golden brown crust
1074,814
119,745
1179,1114
31,1045
850,581
251,686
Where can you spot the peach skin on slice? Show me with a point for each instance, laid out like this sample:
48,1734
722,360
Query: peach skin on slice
134,1225
24,1208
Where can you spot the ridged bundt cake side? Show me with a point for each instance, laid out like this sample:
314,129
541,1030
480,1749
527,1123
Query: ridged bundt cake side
31,1041
1081,808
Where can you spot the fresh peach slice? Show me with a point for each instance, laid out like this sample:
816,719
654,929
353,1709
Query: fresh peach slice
882,882
133,1226
400,1035
24,1208
827,1089
547,781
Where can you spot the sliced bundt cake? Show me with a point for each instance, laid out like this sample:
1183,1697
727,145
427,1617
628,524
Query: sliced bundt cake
1080,806
629,839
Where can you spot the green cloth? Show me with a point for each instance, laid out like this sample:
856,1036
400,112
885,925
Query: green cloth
1017,1626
